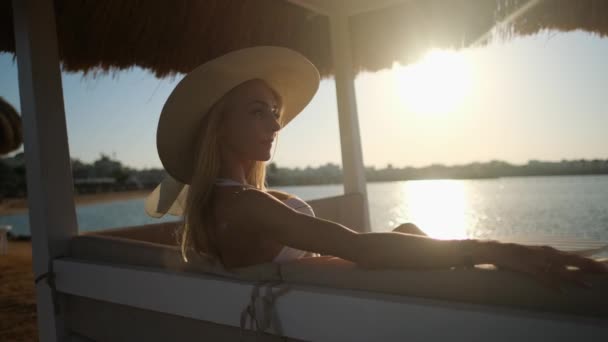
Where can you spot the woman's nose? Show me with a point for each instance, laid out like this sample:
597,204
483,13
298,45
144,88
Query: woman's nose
275,125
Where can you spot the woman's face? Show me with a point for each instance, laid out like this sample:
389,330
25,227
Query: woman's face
250,122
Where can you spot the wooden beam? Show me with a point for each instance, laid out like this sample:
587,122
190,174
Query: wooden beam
52,214
350,138
318,6
354,7
345,7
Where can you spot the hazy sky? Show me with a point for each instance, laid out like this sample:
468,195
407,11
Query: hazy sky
542,97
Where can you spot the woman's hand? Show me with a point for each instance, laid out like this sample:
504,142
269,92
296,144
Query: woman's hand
546,264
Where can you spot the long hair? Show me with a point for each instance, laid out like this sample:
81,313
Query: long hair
197,232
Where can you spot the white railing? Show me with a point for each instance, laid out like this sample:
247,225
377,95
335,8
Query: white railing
319,313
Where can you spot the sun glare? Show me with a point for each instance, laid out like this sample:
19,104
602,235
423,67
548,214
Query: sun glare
437,84
438,207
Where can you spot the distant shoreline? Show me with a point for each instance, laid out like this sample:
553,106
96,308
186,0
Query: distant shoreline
13,206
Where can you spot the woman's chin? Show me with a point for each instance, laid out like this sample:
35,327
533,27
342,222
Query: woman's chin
264,156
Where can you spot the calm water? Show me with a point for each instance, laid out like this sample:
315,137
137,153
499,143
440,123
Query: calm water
564,206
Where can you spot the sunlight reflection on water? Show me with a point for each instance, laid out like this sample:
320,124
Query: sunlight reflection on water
439,207
564,207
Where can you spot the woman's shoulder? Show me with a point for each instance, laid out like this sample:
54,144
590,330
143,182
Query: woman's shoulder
258,202
257,210
289,199
280,195
292,201
256,197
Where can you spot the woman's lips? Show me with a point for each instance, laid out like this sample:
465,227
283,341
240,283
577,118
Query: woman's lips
267,143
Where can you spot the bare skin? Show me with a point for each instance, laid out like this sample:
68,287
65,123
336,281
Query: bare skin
260,224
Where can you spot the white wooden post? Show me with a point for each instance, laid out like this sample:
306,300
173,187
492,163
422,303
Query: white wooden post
50,194
350,139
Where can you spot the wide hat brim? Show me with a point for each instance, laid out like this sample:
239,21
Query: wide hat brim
286,71
169,197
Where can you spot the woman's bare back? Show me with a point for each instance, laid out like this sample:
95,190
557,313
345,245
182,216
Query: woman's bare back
238,247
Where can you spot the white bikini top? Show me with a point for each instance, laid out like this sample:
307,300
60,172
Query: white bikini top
287,253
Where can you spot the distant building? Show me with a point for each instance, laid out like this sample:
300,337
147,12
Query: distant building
94,185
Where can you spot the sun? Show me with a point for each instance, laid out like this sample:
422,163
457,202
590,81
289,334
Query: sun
437,84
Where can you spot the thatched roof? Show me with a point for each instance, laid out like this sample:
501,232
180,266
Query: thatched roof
174,36
11,135
404,32
560,15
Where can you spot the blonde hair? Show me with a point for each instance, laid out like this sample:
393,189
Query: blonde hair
197,233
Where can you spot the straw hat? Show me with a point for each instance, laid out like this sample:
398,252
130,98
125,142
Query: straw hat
286,71
11,135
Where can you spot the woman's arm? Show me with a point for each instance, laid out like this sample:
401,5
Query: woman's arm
278,221
267,215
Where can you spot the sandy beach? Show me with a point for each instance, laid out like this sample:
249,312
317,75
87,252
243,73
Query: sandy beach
11,206
17,295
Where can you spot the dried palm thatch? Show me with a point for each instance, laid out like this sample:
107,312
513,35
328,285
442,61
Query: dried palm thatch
560,15
11,135
175,36
404,32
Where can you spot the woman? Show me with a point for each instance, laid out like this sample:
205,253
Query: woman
215,134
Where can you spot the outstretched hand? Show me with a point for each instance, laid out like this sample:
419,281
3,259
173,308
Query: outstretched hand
548,265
